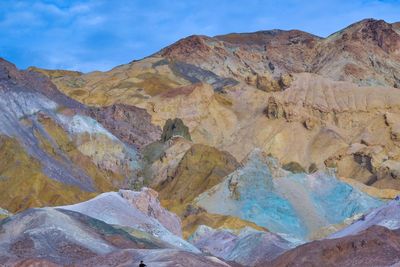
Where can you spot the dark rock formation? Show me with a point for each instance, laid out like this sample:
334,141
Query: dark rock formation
293,167
175,127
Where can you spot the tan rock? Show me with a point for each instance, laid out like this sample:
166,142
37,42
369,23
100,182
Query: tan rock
372,191
310,123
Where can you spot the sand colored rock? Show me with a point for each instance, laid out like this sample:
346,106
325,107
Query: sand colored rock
386,194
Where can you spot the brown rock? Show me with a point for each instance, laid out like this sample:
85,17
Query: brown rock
130,124
376,246
310,123
274,109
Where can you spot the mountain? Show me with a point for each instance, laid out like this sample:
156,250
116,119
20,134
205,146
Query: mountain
53,151
328,102
274,147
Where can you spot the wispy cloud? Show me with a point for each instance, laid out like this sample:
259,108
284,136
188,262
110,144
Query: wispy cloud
99,34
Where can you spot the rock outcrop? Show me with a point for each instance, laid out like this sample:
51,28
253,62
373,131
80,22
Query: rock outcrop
247,246
134,210
294,205
201,168
147,202
376,246
173,128
129,123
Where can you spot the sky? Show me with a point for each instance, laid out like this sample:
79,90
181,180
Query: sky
93,35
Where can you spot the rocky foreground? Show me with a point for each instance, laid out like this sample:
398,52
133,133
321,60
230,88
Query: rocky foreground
125,227
274,148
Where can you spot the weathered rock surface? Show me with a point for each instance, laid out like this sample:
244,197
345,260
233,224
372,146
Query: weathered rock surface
52,152
247,246
293,205
130,209
62,237
57,237
153,257
147,202
388,216
344,55
376,246
173,128
201,168
319,96
312,103
162,159
129,123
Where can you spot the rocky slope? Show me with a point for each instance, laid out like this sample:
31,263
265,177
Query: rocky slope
297,206
326,102
135,231
366,53
372,240
247,246
53,152
258,142
376,246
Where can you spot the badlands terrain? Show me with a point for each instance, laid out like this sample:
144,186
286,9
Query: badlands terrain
273,148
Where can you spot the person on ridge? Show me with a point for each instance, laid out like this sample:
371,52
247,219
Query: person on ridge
142,264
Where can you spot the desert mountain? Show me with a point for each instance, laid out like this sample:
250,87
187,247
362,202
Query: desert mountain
323,102
264,147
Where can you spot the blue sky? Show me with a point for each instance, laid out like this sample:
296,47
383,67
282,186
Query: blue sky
98,34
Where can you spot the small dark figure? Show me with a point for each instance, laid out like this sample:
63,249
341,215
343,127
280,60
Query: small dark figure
397,198
142,264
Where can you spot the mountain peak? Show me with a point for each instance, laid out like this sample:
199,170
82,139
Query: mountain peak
377,32
8,70
186,46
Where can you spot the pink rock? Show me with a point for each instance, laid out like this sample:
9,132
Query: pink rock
147,202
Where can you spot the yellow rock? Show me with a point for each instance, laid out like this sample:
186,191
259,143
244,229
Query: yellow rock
190,223
23,184
201,168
